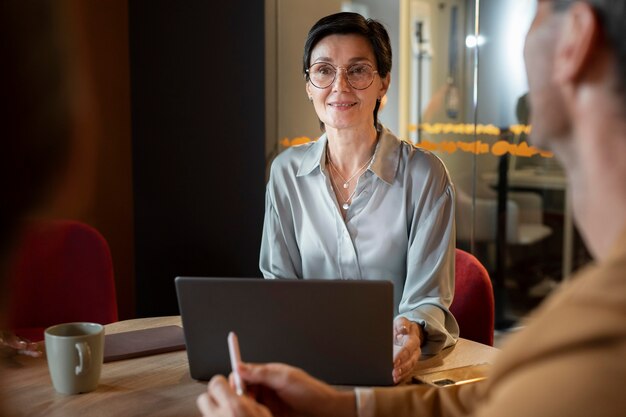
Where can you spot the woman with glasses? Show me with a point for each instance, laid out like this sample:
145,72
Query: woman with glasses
359,203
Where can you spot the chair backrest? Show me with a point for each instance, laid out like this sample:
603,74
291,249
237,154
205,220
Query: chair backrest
473,303
62,272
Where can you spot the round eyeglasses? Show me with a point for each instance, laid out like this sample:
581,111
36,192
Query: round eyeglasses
323,74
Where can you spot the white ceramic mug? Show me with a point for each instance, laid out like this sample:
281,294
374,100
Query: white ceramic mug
75,352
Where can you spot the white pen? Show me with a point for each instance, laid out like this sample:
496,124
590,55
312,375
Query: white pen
235,360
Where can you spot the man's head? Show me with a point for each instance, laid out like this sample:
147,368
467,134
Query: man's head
565,46
576,63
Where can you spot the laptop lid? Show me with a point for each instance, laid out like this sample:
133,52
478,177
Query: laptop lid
338,331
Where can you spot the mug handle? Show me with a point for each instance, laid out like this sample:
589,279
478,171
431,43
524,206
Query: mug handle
84,357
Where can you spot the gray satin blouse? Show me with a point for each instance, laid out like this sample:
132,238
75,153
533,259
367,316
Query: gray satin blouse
399,227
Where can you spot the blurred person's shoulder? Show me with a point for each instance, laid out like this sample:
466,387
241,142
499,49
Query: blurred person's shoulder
575,342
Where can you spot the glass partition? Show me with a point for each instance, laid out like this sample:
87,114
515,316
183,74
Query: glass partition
458,89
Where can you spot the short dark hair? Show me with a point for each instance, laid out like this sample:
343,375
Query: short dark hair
346,23
612,16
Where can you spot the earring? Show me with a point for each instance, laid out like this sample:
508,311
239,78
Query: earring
310,99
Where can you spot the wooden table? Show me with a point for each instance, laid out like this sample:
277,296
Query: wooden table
157,385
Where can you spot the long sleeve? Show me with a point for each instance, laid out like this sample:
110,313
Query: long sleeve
427,401
429,284
279,257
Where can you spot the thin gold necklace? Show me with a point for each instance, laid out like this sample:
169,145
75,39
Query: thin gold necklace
346,201
346,182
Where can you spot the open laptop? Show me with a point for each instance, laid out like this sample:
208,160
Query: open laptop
338,331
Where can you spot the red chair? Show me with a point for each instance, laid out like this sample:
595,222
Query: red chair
62,272
473,303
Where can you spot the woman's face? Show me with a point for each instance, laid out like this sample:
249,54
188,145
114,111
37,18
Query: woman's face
340,106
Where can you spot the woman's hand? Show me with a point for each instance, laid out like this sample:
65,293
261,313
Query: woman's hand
281,389
13,343
407,342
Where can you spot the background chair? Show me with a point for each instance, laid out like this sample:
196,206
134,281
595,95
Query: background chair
62,272
524,214
473,303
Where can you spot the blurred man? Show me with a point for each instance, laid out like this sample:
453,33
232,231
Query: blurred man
569,360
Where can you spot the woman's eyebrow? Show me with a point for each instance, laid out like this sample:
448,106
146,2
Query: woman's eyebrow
323,59
351,60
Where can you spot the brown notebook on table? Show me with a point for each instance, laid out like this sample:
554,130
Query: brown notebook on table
145,342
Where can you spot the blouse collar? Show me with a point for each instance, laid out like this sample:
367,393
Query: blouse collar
384,164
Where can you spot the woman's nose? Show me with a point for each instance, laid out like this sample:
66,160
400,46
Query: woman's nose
341,80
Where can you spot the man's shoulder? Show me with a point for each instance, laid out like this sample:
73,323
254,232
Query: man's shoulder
583,319
572,344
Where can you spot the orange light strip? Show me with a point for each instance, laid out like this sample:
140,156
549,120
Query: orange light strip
499,148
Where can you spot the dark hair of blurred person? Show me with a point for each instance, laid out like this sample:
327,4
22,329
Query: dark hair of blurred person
35,119
35,127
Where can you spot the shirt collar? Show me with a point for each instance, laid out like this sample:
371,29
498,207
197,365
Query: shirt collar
384,164
314,157
386,156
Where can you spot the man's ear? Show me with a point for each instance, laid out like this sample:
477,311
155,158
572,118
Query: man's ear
579,36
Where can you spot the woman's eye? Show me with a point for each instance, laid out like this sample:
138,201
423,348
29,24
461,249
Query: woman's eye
358,69
325,70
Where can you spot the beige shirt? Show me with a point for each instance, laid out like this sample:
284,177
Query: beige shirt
569,361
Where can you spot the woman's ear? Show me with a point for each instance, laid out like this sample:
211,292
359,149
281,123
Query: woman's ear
307,88
384,85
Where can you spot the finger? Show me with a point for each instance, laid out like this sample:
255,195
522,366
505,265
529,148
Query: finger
407,340
273,375
396,350
401,356
409,350
204,404
32,346
401,330
28,352
404,369
17,343
406,358
400,337
231,381
219,390
406,350
401,325
401,372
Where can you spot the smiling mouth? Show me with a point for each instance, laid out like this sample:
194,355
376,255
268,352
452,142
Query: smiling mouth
342,104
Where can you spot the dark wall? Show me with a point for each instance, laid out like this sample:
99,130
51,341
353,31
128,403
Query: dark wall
197,105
